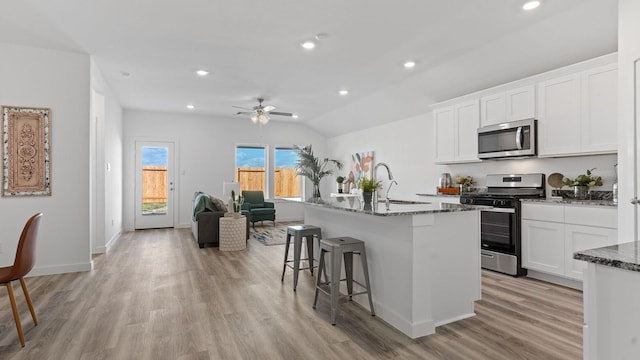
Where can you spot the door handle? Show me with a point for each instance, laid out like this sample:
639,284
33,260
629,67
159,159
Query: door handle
519,138
635,201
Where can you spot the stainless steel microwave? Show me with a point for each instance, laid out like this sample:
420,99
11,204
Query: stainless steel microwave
512,139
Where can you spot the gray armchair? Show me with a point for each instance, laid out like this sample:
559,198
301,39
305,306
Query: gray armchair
259,209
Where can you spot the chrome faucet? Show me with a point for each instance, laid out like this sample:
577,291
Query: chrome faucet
375,198
386,197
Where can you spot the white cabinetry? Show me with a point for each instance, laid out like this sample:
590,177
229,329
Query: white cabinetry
577,113
456,132
511,105
552,233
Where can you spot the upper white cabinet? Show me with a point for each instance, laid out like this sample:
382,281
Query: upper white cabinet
456,132
511,105
600,109
577,113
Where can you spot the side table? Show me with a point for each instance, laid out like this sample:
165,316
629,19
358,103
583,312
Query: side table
233,235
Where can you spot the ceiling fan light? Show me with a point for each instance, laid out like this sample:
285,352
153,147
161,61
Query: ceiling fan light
263,119
254,118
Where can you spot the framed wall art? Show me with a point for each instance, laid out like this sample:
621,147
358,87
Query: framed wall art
26,151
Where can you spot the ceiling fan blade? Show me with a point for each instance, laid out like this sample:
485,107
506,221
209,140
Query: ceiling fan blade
240,107
268,108
281,113
244,113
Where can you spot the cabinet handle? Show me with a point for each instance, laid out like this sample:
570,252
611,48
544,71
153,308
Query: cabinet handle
487,255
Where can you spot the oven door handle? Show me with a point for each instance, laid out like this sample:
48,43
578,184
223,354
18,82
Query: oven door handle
501,210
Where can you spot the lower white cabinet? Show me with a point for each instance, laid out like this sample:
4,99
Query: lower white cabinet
551,233
543,246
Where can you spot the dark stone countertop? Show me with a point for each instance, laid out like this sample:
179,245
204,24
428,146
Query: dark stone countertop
624,256
572,202
409,207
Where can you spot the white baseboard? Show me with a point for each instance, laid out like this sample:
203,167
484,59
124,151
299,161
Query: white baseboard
558,280
112,241
61,269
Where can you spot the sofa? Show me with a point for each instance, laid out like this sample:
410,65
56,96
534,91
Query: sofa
205,224
259,209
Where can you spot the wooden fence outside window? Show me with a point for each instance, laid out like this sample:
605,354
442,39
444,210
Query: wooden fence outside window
286,182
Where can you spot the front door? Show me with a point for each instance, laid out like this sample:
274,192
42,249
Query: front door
154,185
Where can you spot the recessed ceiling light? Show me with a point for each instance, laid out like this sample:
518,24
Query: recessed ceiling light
343,92
321,36
308,45
202,72
125,74
295,116
190,107
530,5
410,64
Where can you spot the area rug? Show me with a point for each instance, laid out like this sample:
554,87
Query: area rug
268,235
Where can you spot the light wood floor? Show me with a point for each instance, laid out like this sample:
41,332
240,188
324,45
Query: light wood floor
156,295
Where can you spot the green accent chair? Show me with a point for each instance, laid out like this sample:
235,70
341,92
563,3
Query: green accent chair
259,209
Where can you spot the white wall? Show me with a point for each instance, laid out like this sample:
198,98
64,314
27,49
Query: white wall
407,146
628,53
60,81
205,153
107,165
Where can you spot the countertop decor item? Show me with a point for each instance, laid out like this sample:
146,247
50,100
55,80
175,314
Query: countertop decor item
464,182
582,183
368,186
339,180
312,168
555,181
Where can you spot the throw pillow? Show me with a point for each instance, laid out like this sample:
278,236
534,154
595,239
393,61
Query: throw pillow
219,204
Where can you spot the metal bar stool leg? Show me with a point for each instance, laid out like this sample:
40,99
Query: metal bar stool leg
365,270
348,271
335,283
309,242
321,265
297,249
286,255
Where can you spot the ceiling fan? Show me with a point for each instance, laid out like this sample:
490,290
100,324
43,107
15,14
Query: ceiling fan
260,113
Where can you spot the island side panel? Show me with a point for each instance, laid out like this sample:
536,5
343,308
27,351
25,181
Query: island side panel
449,251
404,253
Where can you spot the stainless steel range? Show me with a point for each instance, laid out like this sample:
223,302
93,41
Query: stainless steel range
500,229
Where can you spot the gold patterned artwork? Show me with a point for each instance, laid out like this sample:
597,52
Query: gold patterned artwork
26,151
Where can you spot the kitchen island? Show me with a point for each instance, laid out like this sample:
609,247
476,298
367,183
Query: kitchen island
611,298
424,258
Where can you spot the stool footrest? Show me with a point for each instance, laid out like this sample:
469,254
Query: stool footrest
302,268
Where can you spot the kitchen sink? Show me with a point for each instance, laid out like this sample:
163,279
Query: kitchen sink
406,202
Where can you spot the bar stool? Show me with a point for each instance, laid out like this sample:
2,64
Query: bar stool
299,232
339,247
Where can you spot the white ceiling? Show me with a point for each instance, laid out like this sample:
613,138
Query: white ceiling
252,49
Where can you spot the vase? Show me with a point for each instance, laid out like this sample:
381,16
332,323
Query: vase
367,196
316,191
581,192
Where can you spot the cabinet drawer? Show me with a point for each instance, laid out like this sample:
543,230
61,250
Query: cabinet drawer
591,216
552,213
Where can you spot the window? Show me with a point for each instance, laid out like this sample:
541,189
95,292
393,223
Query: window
286,183
250,168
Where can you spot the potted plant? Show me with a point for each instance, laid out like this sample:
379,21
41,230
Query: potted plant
464,182
582,183
313,168
368,187
339,180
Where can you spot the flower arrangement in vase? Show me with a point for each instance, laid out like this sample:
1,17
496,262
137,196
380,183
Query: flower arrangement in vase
464,182
582,183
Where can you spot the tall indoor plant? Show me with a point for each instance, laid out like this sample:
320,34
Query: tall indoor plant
312,168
